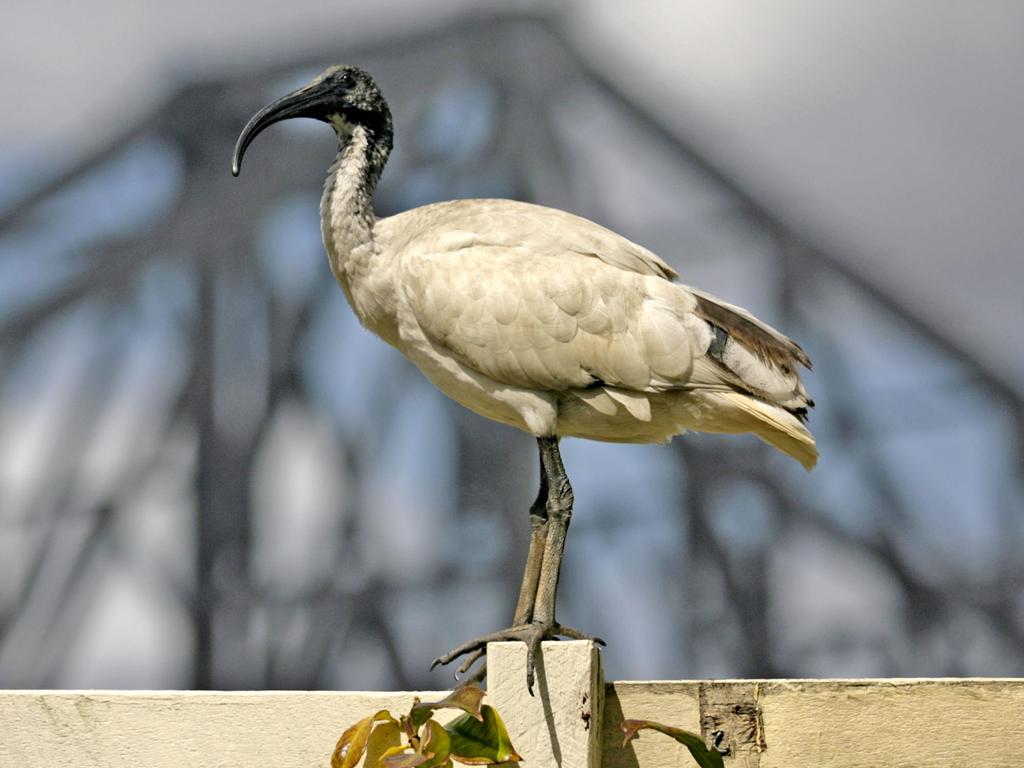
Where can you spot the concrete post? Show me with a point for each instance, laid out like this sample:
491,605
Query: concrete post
560,725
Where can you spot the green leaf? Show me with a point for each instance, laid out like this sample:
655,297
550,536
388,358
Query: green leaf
383,742
706,758
481,742
466,697
436,744
352,744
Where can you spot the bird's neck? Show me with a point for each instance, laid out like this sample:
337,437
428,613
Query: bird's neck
346,209
347,219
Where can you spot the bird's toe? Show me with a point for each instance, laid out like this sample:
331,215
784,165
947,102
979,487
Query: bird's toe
532,634
469,661
574,634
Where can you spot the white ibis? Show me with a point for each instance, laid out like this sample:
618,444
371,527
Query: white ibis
542,320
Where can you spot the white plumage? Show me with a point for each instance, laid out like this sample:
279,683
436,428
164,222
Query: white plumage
550,323
541,320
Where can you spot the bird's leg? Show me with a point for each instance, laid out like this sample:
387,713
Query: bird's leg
538,535
559,508
559,511
534,619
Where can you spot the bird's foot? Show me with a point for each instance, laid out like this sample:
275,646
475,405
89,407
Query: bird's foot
532,633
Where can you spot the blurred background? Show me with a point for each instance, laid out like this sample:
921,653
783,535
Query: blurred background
211,476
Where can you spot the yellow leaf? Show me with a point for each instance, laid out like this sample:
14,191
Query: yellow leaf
465,697
390,752
350,747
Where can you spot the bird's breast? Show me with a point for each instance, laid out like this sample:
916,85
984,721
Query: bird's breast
369,287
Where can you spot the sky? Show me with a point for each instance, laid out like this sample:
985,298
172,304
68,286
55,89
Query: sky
888,133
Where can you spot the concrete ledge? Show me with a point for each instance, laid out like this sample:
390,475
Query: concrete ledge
180,729
918,723
767,724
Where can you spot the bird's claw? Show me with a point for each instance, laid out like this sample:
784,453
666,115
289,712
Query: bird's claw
532,634
469,661
476,678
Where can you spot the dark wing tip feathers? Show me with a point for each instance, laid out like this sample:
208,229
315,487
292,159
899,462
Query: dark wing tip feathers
769,347
801,356
779,351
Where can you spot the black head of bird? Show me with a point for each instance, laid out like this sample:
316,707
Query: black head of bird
342,96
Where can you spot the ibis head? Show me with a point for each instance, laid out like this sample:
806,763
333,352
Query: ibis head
342,96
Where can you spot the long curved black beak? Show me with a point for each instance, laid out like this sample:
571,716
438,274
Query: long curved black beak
307,101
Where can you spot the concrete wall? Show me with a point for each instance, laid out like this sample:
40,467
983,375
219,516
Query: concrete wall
572,721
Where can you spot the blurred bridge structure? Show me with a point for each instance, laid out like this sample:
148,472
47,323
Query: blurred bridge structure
212,477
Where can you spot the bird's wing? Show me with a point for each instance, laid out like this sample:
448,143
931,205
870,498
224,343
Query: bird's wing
459,224
535,297
552,322
594,241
